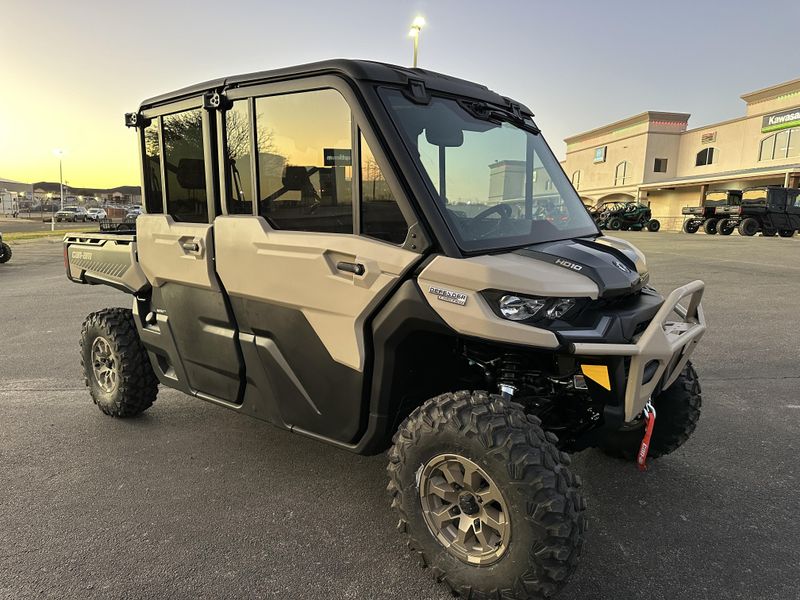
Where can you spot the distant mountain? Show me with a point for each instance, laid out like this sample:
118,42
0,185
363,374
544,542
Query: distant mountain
48,186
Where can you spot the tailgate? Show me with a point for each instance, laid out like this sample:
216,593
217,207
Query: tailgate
104,258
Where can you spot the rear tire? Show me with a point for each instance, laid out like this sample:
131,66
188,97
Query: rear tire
614,224
677,412
115,364
5,253
710,226
725,227
786,233
653,225
748,227
769,232
524,483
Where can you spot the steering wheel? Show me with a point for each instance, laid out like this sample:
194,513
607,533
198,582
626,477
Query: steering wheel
503,209
505,212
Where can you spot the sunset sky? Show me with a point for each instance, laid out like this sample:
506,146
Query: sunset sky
69,70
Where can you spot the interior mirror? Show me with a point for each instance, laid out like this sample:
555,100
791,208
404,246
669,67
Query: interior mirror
444,134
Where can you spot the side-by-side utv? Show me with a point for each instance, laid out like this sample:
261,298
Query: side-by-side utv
769,209
5,251
707,216
379,257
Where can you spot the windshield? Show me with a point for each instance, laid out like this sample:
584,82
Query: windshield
497,185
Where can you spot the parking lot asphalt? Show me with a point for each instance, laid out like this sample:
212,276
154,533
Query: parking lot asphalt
194,501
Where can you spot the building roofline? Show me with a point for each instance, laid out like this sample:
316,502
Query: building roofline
646,116
767,93
724,175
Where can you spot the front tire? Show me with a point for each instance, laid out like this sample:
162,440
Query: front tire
614,224
786,233
690,226
5,253
653,225
115,364
485,497
677,413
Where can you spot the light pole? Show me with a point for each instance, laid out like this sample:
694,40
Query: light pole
60,155
416,27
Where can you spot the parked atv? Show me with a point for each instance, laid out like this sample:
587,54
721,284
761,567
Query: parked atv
705,215
357,300
5,251
770,210
626,216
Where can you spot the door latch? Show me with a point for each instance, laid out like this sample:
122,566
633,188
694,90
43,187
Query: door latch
354,268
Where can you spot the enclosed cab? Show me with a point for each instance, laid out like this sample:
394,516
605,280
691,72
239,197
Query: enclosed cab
712,209
379,257
770,210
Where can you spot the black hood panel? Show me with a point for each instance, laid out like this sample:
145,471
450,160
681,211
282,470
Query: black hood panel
612,270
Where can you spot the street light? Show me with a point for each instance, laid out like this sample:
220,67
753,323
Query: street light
416,27
60,155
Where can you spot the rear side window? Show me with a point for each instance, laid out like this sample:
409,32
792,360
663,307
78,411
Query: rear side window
154,203
305,165
237,155
380,216
184,163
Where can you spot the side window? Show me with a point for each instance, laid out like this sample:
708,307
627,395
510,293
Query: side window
380,216
185,167
153,201
237,157
305,161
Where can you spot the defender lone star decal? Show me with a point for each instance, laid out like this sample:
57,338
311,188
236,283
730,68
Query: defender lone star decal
448,296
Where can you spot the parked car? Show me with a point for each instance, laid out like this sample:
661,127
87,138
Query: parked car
96,214
72,213
133,213
480,341
706,215
769,209
5,251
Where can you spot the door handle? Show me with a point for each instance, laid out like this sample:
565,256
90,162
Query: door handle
354,268
191,246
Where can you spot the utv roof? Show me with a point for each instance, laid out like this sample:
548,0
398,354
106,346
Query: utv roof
358,70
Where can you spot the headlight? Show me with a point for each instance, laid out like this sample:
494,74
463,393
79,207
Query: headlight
560,307
515,308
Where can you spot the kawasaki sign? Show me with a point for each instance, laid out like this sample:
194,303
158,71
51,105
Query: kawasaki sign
781,120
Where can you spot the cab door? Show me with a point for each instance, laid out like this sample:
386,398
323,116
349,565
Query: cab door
308,268
191,332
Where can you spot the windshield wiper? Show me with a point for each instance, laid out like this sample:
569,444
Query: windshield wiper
497,114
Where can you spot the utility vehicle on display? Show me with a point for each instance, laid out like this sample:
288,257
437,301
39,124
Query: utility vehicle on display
769,209
380,257
626,216
5,251
706,216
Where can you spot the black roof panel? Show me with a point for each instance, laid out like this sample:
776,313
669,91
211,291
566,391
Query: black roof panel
359,70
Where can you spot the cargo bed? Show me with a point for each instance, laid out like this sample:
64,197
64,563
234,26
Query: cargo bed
104,258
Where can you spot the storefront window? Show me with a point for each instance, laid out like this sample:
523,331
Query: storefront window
783,144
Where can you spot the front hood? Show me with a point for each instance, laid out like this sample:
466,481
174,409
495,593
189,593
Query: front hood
616,268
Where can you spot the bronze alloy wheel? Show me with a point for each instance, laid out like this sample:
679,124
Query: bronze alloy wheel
464,509
104,364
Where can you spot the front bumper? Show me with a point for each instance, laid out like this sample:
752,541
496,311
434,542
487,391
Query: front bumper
660,353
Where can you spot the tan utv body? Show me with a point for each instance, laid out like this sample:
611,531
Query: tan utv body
378,257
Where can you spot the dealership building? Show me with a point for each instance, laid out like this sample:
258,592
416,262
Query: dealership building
654,158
